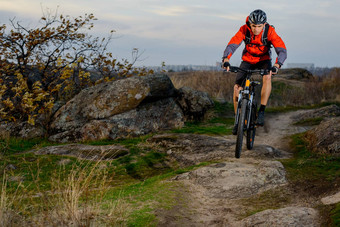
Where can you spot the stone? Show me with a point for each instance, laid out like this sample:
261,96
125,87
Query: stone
128,107
295,74
194,103
234,180
105,152
288,216
325,138
324,112
22,130
333,199
191,149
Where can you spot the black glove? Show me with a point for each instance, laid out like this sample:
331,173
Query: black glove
274,70
226,64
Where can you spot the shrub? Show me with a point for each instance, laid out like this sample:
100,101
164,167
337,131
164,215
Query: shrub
51,62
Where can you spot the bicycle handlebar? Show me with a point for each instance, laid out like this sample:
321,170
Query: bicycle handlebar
235,69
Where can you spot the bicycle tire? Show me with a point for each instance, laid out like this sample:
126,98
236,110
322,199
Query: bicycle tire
251,131
240,129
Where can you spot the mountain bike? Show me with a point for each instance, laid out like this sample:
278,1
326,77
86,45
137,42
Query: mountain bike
246,114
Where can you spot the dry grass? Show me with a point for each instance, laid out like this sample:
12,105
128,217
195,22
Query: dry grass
76,199
285,92
8,216
218,85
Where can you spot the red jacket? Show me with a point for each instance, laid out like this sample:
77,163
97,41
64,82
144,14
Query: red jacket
255,51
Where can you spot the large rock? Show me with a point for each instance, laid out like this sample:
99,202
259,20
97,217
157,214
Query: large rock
323,112
234,180
289,216
194,103
325,138
22,130
192,149
127,107
296,74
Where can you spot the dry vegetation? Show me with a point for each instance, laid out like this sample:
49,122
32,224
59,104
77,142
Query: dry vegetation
218,85
75,199
285,92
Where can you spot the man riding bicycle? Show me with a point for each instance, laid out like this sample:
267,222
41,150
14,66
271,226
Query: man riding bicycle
258,37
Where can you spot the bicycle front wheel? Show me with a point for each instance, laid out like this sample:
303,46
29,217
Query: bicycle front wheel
240,129
252,128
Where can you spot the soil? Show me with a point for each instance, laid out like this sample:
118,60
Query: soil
204,201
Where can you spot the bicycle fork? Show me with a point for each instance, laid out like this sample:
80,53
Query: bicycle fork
249,98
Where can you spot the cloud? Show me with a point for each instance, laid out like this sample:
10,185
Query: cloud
234,17
169,11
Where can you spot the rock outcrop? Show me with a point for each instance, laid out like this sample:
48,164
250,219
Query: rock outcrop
289,216
324,112
194,103
237,179
192,149
105,152
129,107
325,138
295,74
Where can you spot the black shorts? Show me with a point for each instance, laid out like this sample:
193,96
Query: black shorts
241,76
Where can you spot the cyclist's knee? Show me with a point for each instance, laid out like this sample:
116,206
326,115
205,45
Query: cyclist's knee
267,78
237,88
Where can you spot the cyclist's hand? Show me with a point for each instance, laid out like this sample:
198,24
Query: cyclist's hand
274,70
226,64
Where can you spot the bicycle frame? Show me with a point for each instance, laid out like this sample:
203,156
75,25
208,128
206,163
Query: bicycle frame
245,118
248,93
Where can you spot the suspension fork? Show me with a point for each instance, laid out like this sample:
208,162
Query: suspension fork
250,109
244,94
239,101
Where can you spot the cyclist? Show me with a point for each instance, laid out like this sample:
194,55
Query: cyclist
256,55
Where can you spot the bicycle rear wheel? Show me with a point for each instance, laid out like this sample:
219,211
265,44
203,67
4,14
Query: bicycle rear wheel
252,128
240,129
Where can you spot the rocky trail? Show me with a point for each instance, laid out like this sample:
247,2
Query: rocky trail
250,191
226,193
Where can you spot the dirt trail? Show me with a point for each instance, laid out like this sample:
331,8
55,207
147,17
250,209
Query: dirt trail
221,194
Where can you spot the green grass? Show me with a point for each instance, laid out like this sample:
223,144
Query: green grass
220,123
138,179
223,109
17,145
315,173
206,128
311,166
271,199
35,172
335,215
278,88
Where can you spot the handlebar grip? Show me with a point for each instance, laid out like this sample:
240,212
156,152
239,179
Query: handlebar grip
226,64
274,69
233,69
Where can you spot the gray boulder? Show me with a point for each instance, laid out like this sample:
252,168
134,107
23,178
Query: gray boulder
194,103
22,130
289,216
325,138
129,107
295,74
234,180
323,112
122,108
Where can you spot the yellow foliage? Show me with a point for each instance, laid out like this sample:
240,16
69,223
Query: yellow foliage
8,103
31,119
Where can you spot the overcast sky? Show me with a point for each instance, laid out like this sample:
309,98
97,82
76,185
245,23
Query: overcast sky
196,31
